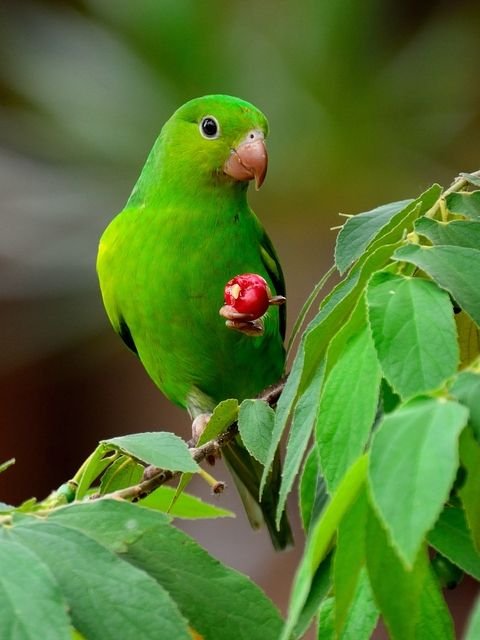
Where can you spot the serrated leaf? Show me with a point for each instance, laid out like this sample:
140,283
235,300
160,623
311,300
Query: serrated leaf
347,407
402,312
460,233
185,506
381,226
320,538
359,230
413,462
298,438
224,414
333,313
466,389
159,448
452,538
466,204
469,492
455,269
255,424
31,600
409,600
108,597
312,490
200,585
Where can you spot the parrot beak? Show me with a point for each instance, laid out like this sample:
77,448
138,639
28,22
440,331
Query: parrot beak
249,160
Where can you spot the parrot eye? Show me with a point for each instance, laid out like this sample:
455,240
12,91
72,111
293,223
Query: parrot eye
209,127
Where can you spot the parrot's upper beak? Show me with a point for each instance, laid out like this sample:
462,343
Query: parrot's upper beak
249,160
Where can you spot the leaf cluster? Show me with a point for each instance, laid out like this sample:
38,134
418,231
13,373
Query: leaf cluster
381,415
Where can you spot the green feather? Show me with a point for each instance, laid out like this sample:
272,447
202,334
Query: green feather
163,263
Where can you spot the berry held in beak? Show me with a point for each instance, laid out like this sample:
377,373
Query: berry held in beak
249,160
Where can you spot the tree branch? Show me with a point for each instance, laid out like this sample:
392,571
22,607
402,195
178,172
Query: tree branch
209,449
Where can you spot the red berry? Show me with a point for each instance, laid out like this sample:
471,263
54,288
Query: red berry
248,294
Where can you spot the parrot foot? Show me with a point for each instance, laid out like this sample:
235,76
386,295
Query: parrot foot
230,313
149,472
199,425
248,327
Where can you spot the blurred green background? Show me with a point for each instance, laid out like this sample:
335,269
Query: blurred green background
368,102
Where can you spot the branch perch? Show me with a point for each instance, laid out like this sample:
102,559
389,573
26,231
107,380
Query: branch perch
142,489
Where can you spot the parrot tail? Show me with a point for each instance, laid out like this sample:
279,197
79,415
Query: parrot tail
247,473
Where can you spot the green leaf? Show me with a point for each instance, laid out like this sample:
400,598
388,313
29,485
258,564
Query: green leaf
183,483
307,306
123,472
318,590
468,339
456,269
284,406
381,226
185,506
469,492
410,601
298,439
473,627
452,538
107,597
413,463
471,178
466,204
160,448
363,612
466,389
112,523
6,465
200,585
326,620
359,230
349,558
313,494
92,468
224,414
347,407
402,313
460,233
337,308
31,601
319,540
255,423
334,312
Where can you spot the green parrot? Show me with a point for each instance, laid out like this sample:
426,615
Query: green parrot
163,263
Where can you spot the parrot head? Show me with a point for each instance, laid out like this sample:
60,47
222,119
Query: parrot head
217,137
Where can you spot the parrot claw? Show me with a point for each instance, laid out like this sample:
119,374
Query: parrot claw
248,327
199,425
277,300
230,313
